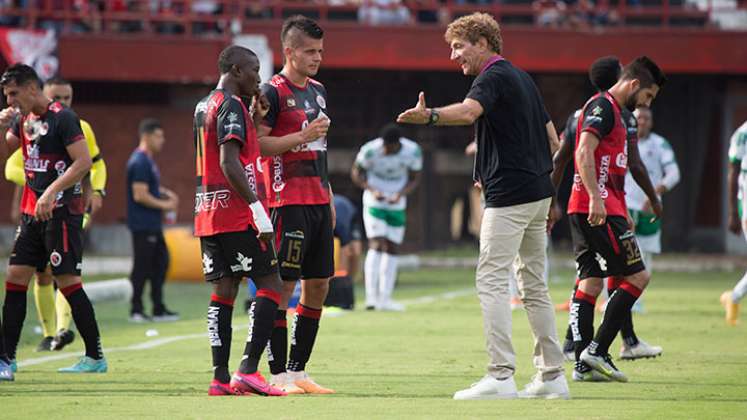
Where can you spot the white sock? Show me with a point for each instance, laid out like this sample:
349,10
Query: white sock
739,290
371,273
387,277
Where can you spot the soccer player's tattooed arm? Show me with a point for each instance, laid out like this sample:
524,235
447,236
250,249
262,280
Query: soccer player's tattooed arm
640,175
462,113
735,224
587,144
78,151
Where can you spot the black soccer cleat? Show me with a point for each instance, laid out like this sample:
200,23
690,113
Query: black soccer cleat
45,344
62,339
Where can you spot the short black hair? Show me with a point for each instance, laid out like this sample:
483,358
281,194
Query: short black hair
57,81
20,74
148,126
306,25
231,56
391,133
646,71
604,72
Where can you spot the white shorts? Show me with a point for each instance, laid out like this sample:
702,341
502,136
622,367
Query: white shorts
384,223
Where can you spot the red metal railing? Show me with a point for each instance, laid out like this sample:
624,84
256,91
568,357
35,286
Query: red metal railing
223,17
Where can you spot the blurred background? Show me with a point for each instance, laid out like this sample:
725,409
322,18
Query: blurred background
132,59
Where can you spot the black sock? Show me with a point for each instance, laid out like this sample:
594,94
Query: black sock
582,321
627,333
303,336
219,316
277,348
618,307
85,319
14,313
569,330
262,322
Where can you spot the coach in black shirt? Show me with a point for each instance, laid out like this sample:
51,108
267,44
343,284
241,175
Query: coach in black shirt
515,140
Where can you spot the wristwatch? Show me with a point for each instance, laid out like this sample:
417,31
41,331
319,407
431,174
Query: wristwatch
433,118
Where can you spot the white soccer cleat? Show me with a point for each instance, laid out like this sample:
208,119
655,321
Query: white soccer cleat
589,376
640,351
489,388
549,390
603,365
284,383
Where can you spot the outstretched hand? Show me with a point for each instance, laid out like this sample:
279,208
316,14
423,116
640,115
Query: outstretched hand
417,115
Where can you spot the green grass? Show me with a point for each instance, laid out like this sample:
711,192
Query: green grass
391,365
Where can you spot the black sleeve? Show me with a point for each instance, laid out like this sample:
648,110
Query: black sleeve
598,117
69,127
485,89
231,124
631,126
271,93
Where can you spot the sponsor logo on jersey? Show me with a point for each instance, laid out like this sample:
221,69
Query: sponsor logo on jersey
277,174
321,101
55,259
250,177
622,160
35,128
604,173
212,200
291,102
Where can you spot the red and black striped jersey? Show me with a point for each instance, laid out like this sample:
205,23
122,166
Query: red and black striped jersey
298,176
603,117
220,118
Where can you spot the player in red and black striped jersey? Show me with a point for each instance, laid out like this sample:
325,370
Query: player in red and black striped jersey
56,159
233,225
603,74
603,241
295,180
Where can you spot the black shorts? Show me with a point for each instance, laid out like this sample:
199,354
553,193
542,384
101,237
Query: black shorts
57,242
607,250
305,241
237,254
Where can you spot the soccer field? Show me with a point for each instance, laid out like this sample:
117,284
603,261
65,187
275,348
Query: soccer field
396,365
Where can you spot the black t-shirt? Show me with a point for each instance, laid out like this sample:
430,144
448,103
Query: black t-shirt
513,161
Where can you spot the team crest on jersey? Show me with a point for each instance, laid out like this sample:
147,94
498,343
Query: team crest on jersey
291,102
321,101
621,160
35,128
597,110
55,259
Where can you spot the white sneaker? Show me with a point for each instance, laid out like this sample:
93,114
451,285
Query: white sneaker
550,390
390,306
489,388
639,351
281,381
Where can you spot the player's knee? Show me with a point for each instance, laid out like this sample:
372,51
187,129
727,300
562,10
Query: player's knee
392,248
317,289
67,281
226,287
592,287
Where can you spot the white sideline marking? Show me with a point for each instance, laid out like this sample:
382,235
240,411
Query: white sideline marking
158,342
